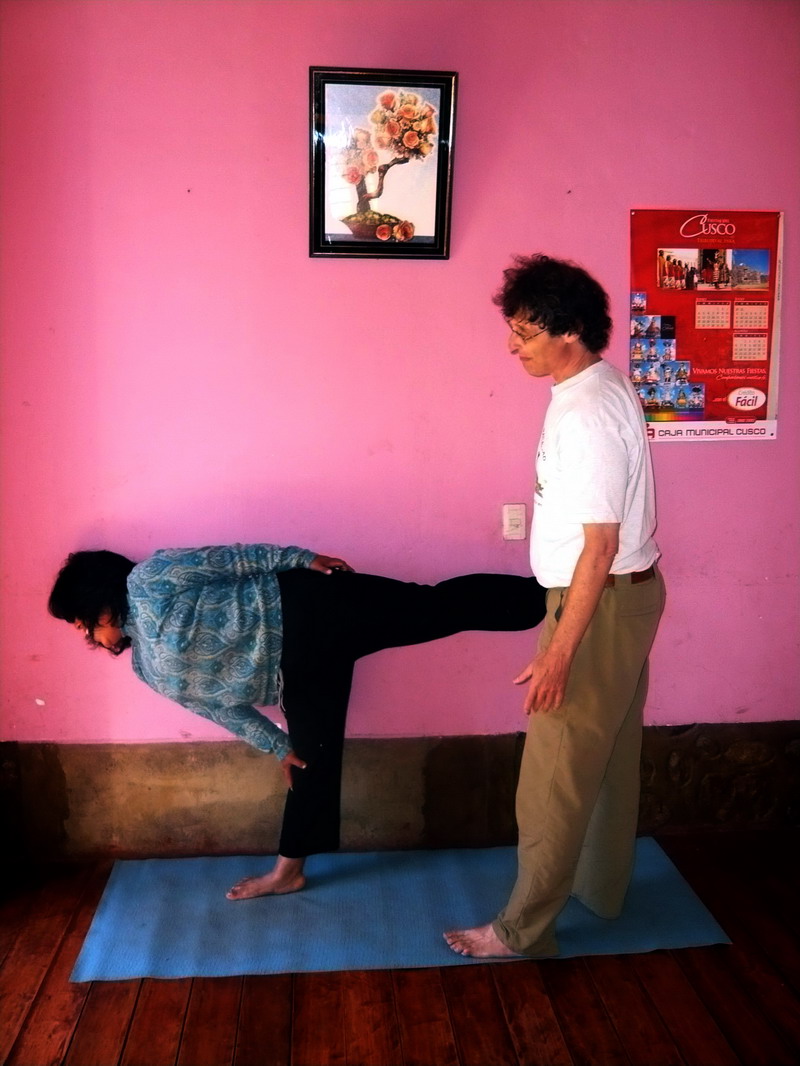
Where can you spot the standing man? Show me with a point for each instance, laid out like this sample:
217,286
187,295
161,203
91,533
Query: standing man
592,547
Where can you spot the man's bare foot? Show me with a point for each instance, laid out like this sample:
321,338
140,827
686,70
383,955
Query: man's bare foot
481,943
286,876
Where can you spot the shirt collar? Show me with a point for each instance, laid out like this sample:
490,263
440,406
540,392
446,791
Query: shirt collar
577,379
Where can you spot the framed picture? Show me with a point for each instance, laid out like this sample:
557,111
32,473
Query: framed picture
381,162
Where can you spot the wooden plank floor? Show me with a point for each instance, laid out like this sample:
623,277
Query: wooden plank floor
715,1006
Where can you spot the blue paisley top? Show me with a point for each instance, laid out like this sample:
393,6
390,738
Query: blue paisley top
206,631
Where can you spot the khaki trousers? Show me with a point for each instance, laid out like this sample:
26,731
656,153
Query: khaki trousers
578,791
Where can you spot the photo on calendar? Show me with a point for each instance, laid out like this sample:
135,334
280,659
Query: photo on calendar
672,373
678,268
715,266
653,326
750,268
653,348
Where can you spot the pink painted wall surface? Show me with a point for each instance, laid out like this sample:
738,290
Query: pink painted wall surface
178,371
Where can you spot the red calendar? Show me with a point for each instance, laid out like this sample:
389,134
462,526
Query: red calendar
705,322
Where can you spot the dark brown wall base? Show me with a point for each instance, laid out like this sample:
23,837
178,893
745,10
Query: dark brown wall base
69,801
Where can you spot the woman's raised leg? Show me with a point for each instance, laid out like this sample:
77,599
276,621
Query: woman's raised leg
331,620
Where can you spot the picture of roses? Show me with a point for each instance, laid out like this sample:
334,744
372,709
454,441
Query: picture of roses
404,125
371,132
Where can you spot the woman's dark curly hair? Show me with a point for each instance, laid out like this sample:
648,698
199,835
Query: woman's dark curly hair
91,584
558,296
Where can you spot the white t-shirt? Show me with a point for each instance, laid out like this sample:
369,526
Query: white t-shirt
593,465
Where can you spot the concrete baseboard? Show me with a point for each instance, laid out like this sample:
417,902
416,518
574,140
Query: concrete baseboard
78,801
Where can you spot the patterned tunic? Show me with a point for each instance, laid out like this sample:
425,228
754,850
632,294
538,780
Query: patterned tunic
206,631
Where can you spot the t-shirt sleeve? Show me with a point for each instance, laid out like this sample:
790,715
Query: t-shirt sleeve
593,458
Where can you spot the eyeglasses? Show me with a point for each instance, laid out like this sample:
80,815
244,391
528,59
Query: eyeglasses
523,337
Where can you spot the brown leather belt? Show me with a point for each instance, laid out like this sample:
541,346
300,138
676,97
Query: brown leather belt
636,578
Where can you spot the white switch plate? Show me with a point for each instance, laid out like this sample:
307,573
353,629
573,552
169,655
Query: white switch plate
514,521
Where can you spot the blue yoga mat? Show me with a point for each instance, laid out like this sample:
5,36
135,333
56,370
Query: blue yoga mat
366,911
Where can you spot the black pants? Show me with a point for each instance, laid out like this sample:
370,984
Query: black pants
330,621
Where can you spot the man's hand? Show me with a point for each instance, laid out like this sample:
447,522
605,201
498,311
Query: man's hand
287,762
326,564
548,676
549,672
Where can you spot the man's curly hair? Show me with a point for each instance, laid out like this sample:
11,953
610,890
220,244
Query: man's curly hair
558,296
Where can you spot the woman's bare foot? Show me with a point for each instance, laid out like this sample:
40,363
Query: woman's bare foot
286,876
481,942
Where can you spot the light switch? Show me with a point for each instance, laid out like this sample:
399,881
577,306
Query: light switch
513,521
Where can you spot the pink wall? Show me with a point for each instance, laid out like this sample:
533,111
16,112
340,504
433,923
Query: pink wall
178,371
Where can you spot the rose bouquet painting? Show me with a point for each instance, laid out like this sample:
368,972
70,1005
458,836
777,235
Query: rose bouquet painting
402,127
381,162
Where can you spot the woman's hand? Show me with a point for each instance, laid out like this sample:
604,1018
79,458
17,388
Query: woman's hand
326,564
287,762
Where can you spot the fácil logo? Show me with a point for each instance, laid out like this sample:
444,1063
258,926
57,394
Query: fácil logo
746,399
703,226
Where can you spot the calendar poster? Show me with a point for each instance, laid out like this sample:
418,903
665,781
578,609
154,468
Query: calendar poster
705,322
